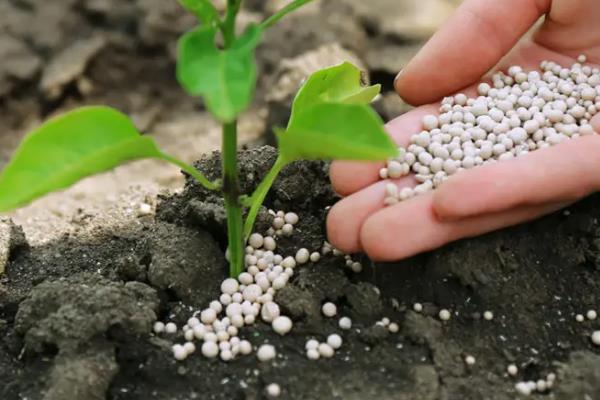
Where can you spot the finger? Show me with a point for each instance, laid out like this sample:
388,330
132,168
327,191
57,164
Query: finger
475,38
411,227
567,171
346,217
347,177
570,19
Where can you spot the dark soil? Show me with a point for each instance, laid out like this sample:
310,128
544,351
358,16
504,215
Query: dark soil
76,316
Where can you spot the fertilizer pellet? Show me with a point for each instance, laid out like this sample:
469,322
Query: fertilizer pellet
325,350
291,218
418,307
273,390
596,338
159,327
256,240
335,341
245,347
444,315
579,318
229,286
522,112
512,370
189,347
282,325
488,315
393,327
313,354
525,388
302,256
266,352
179,352
170,327
269,311
345,323
470,360
315,256
311,344
356,267
210,349
329,309
591,315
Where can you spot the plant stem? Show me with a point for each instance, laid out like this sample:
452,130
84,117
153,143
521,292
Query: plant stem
193,172
258,197
233,207
228,25
273,19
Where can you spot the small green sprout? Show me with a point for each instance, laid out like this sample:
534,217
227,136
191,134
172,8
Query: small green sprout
331,119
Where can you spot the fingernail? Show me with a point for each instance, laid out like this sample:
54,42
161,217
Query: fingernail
397,78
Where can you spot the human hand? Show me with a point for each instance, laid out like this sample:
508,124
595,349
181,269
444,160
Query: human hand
480,37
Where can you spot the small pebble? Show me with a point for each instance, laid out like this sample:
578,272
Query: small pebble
145,209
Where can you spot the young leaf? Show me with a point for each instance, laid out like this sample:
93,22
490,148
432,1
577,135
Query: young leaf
336,131
68,148
204,10
342,83
225,78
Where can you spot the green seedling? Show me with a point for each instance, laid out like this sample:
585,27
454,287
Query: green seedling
331,119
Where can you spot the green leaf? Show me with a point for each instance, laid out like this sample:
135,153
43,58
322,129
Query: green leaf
225,78
342,83
73,146
67,148
204,10
336,131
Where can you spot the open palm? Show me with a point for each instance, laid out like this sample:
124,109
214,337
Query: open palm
483,36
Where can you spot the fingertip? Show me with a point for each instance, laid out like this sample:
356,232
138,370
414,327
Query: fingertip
596,123
348,177
442,205
338,233
405,84
373,240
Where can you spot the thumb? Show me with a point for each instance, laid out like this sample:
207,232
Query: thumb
473,41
